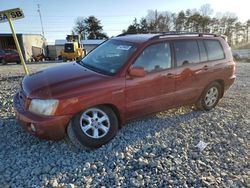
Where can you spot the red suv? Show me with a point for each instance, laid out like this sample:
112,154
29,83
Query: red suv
126,77
9,55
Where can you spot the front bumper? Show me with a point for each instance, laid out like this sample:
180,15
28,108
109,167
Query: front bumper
52,128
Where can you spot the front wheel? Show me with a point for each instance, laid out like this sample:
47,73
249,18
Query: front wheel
93,127
3,62
210,97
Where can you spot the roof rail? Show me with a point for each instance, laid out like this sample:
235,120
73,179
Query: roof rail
171,33
162,35
148,32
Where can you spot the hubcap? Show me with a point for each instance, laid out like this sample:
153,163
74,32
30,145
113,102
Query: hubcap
211,96
95,123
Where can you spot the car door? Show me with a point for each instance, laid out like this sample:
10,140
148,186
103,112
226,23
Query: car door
191,70
154,91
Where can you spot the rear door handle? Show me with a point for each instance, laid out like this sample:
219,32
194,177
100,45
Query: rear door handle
205,67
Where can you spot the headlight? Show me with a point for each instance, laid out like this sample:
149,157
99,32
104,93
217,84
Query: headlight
43,107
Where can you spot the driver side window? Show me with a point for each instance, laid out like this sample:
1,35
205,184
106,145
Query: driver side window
154,58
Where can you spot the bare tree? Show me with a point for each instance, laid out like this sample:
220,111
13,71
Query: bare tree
159,21
239,33
80,27
206,10
247,30
194,20
180,21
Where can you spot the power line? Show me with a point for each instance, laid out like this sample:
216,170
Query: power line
98,16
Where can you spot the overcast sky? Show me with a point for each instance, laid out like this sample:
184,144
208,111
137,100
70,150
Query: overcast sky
115,15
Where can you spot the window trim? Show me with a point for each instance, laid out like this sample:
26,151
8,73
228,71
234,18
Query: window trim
202,41
208,60
155,43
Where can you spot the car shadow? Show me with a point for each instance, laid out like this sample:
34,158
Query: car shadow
147,127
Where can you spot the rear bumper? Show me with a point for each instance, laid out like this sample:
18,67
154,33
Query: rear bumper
52,128
229,82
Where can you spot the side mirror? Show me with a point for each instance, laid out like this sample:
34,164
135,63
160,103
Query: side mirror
137,72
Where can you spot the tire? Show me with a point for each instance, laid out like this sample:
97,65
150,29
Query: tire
3,62
93,127
210,97
18,62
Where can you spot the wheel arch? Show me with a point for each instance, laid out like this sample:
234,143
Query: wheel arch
113,107
222,84
115,110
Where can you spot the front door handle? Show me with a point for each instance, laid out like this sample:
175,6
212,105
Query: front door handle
170,75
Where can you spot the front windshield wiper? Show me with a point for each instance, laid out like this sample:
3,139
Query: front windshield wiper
90,67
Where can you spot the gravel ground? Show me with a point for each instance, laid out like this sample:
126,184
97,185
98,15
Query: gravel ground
158,151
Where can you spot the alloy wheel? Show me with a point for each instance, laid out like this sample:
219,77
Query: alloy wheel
211,96
95,123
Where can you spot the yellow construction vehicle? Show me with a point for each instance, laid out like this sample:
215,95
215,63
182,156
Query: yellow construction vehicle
73,49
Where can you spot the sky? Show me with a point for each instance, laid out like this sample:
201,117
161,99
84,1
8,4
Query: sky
58,16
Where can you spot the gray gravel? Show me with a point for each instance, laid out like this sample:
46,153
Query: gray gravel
157,151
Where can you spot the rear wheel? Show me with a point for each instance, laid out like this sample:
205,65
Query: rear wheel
93,127
18,62
210,97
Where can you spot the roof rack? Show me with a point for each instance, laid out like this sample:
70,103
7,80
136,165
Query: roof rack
163,35
171,33
149,32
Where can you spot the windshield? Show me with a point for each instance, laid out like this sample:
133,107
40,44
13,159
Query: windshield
109,57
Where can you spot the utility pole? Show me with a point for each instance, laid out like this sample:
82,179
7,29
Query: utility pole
39,12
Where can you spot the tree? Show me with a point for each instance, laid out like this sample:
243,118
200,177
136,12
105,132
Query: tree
204,23
164,22
94,28
143,27
214,25
90,28
80,27
159,21
239,33
136,27
133,28
180,21
206,10
152,17
247,30
228,22
193,20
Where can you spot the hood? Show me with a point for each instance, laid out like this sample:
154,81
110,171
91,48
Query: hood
61,81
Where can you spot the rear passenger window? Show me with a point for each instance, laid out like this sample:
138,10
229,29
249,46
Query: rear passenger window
214,50
203,53
186,52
